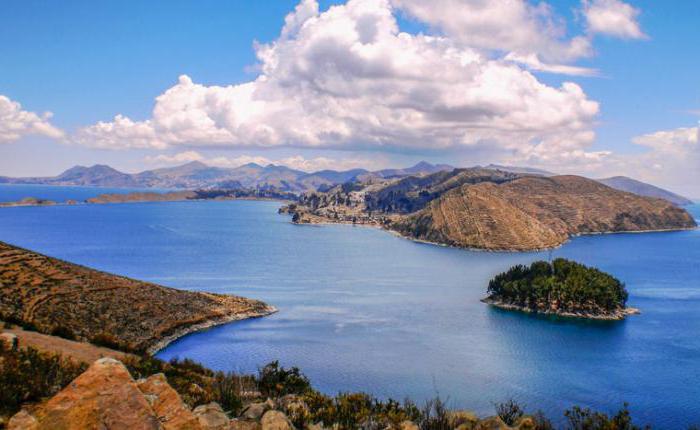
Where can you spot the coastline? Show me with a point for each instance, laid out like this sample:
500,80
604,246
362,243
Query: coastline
326,221
162,343
618,315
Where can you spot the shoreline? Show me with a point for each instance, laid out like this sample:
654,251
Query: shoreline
618,315
477,249
162,343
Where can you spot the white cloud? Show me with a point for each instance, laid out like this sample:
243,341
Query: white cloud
347,78
516,26
16,123
120,133
179,158
297,162
613,18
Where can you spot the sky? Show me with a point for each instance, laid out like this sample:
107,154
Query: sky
591,87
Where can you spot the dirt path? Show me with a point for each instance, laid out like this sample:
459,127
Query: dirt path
79,351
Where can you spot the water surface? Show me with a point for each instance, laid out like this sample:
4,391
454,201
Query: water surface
361,309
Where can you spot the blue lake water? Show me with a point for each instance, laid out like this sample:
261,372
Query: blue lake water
361,309
16,192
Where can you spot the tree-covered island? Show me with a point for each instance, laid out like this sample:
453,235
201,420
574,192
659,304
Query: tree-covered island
563,288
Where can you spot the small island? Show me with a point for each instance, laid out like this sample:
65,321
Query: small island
563,288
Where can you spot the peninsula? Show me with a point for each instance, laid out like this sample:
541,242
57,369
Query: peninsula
490,209
563,288
56,297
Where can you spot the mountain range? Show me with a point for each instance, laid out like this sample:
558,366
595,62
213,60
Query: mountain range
197,175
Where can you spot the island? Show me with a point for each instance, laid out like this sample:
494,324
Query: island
563,288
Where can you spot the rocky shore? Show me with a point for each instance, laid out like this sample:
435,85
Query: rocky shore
616,315
212,322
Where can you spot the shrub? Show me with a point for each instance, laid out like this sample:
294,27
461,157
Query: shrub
585,419
509,411
226,391
276,381
434,415
108,341
63,332
27,375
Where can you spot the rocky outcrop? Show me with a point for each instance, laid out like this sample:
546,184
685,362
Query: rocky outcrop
107,309
166,403
105,396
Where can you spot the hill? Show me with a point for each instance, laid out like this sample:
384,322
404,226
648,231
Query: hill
491,209
52,295
643,189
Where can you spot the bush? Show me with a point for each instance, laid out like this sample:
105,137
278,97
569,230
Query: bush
108,341
27,375
226,391
509,411
276,381
63,332
585,419
434,415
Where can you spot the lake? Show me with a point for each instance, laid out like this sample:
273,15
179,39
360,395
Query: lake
361,309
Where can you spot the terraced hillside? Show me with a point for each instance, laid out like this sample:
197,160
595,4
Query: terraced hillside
52,294
492,209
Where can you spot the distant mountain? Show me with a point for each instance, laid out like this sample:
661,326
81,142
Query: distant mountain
630,185
197,175
519,169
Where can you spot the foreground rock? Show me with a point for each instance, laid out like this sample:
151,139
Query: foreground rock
105,396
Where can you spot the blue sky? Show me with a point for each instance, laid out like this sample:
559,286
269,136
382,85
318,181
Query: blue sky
89,61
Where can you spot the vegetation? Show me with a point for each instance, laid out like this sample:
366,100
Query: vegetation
29,376
560,286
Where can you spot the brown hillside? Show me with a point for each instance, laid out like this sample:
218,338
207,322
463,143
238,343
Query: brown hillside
537,212
52,293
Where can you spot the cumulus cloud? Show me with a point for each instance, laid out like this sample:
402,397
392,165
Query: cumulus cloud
16,123
613,18
348,78
297,162
516,26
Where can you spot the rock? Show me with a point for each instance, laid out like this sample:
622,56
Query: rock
462,420
211,417
22,421
9,339
244,425
255,411
276,420
103,397
492,423
408,425
525,423
172,412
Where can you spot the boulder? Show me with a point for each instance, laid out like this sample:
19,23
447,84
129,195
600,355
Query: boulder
171,411
462,420
211,417
255,411
244,425
408,425
103,397
9,340
492,423
23,420
276,420
525,423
